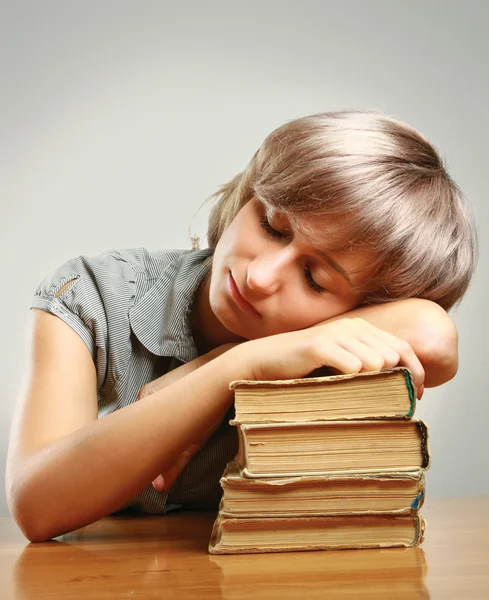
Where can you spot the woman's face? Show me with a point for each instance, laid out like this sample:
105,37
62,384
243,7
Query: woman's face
267,279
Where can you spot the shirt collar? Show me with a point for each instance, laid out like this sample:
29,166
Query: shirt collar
161,318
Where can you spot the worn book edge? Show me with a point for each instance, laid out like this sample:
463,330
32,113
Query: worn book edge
232,478
215,546
331,379
242,455
324,379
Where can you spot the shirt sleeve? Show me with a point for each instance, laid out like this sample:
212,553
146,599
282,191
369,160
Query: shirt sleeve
95,305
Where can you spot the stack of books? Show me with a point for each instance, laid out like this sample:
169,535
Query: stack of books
324,462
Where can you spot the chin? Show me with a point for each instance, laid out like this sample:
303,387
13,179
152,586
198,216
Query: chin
233,331
238,333
244,332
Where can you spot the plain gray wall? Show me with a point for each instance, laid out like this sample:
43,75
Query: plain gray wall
118,119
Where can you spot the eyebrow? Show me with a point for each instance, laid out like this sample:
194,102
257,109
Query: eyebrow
339,269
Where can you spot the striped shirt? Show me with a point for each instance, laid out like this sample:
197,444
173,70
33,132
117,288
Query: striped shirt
132,310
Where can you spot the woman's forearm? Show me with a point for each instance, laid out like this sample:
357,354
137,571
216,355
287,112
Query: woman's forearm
68,484
426,326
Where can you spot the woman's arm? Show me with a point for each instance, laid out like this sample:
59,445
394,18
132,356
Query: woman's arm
65,467
425,325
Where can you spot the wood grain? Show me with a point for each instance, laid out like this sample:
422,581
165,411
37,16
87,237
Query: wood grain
166,557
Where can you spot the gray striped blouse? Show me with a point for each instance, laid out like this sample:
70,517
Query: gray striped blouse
131,308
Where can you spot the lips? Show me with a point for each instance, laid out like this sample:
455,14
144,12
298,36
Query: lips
239,299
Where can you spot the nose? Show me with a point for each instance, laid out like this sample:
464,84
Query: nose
267,272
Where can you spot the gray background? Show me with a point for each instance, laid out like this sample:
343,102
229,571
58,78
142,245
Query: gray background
119,118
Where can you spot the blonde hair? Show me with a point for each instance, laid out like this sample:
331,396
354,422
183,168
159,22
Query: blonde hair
388,184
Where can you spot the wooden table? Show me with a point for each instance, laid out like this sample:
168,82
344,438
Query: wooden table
166,557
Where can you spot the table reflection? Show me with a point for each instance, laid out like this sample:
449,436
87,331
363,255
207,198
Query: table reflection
158,558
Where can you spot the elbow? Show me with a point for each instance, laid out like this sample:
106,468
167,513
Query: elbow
35,532
34,535
28,518
30,525
438,347
440,366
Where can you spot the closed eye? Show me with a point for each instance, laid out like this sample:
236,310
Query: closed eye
265,223
311,283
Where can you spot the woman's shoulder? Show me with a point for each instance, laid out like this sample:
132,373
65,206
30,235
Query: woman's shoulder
109,264
149,262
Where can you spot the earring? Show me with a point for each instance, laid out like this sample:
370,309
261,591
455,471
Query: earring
195,241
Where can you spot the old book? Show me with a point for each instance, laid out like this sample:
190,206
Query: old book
318,448
233,536
384,394
400,493
384,573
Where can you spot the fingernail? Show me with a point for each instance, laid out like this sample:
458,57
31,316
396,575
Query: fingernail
158,483
420,392
156,487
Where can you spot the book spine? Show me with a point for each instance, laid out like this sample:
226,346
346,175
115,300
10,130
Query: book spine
425,449
241,456
412,395
420,529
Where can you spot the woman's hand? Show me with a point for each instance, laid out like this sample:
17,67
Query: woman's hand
425,325
346,345
165,480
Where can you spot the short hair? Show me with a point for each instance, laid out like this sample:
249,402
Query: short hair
388,185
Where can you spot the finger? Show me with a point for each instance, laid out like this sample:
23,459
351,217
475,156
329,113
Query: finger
164,481
371,358
407,356
389,354
174,471
331,354
143,392
159,483
393,358
412,362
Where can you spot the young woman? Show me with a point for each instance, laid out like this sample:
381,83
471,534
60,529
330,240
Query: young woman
342,244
